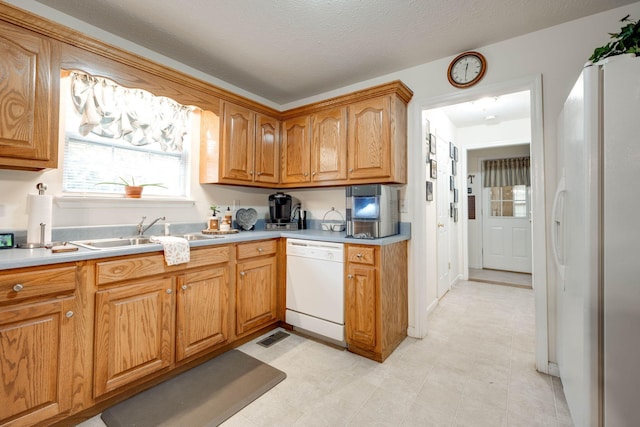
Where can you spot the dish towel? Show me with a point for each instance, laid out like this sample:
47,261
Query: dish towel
176,249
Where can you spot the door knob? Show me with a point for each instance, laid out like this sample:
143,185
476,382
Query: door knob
184,287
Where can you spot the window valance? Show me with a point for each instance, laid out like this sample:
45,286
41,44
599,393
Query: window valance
507,172
135,115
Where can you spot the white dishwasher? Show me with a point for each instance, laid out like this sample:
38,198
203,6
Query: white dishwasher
315,287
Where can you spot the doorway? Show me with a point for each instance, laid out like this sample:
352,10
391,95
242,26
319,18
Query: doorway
538,239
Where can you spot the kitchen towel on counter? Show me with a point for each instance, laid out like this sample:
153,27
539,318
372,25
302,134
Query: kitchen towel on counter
176,249
39,208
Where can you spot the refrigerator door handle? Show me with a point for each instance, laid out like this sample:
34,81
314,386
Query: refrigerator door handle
557,224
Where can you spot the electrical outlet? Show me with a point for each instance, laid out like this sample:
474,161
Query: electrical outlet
403,206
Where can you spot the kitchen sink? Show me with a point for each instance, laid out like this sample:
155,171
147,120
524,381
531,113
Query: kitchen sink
119,242
195,237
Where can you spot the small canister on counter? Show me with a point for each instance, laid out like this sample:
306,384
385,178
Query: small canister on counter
214,223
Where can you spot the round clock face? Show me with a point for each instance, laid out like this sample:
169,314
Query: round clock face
467,69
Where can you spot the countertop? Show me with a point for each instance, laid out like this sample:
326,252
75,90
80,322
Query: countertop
18,258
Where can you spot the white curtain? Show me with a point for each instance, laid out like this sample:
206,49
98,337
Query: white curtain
507,172
135,115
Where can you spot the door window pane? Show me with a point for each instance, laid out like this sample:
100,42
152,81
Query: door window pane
509,201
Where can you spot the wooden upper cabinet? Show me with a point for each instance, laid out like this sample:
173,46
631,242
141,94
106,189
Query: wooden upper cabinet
329,145
370,139
29,98
296,150
238,133
249,148
267,149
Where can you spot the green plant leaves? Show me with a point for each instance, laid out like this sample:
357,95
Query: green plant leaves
626,41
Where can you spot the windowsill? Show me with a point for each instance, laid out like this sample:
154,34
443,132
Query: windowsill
102,202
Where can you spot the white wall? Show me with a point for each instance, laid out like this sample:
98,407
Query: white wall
474,158
557,53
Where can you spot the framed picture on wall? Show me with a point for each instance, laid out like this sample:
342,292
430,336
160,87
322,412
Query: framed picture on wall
434,169
455,214
451,210
455,195
452,149
455,153
432,143
429,191
453,167
452,183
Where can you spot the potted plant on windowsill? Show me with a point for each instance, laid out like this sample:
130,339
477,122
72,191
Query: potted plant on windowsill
627,41
131,189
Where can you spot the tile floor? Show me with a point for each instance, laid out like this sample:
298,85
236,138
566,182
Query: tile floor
500,277
475,368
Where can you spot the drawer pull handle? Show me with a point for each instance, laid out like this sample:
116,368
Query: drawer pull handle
359,255
69,314
349,276
169,291
242,274
260,250
18,287
184,287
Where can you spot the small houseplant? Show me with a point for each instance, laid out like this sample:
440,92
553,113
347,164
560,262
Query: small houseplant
131,189
626,41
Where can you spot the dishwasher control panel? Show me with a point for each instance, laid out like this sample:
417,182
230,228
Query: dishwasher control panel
328,251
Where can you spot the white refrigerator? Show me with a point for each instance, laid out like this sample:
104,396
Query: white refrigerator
596,245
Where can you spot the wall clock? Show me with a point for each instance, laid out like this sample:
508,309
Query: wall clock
467,69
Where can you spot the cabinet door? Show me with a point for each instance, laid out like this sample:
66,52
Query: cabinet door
238,133
133,333
267,162
329,145
370,139
296,150
202,311
28,100
35,361
256,294
361,306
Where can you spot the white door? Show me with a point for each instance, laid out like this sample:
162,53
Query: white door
443,200
506,229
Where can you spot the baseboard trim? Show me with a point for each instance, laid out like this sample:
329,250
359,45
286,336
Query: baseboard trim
554,369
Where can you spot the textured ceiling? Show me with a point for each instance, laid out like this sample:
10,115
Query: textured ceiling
287,50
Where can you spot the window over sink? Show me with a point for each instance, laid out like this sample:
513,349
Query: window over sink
114,132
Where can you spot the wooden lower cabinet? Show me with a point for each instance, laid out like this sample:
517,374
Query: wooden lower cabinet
361,309
202,311
134,332
36,361
152,317
38,322
376,302
256,286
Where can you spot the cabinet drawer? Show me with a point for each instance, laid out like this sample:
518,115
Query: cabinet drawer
149,265
19,285
361,255
250,250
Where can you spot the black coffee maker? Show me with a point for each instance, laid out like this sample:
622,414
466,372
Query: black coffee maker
280,206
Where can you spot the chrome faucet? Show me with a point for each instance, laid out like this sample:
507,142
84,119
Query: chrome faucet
140,228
